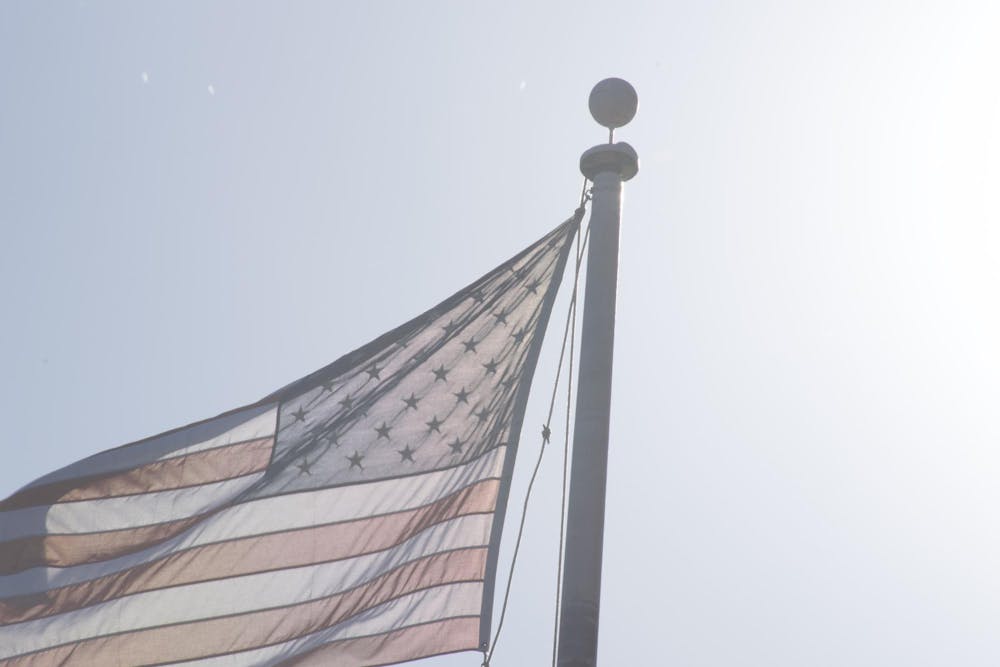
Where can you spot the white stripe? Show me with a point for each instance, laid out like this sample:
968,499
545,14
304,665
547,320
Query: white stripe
237,594
289,512
247,424
91,516
435,604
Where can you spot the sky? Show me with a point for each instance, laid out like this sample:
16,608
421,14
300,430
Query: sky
203,201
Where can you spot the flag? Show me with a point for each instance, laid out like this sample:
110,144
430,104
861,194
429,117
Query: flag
351,518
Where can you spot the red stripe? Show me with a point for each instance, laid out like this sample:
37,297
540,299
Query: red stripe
68,550
419,641
204,467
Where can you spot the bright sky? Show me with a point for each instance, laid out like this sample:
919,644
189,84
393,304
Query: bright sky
201,202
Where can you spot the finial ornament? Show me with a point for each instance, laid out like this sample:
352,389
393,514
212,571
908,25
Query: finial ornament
613,103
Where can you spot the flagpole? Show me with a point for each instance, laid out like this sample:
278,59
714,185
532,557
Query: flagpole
613,103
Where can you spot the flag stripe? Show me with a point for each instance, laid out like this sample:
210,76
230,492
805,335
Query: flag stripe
202,467
60,551
236,594
256,554
411,643
273,628
422,607
110,514
250,518
450,601
240,425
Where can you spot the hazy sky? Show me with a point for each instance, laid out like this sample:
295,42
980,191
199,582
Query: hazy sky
203,201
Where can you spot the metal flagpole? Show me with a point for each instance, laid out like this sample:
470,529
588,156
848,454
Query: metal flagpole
613,103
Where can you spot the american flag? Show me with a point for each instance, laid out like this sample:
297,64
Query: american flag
350,518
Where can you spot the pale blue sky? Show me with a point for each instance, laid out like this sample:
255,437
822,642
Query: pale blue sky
203,201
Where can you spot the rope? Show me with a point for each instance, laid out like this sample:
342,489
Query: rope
565,472
546,431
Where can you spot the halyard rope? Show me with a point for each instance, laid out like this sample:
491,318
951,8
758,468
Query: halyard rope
569,396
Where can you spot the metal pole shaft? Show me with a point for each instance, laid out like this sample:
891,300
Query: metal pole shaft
607,166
